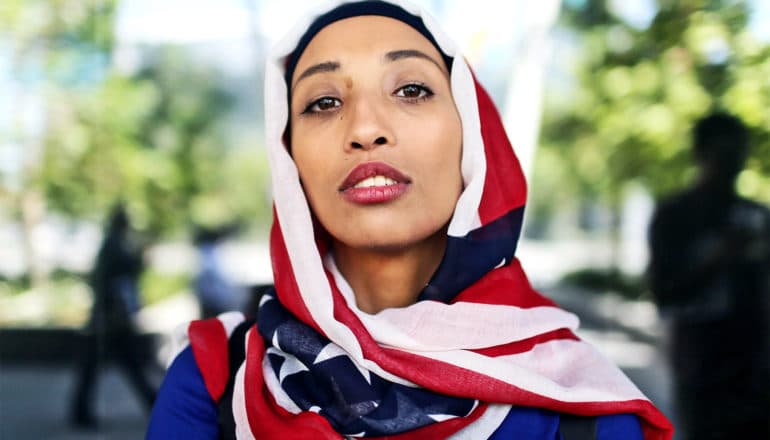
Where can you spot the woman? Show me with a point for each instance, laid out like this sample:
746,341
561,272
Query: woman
399,309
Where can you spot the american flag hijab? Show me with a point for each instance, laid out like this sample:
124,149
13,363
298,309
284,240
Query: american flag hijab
479,340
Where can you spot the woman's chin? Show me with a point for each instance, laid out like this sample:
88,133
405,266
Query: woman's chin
390,241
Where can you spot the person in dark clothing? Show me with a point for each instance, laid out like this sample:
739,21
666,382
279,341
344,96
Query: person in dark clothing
216,293
710,274
110,330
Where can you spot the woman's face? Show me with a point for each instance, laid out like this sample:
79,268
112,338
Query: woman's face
375,133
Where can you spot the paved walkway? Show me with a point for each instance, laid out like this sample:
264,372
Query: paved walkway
34,405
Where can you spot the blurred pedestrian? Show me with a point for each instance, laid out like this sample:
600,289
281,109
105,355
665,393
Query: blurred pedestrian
111,332
215,292
710,273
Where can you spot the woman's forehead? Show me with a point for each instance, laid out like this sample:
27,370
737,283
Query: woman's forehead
368,34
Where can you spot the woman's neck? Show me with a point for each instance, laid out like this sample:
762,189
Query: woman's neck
383,279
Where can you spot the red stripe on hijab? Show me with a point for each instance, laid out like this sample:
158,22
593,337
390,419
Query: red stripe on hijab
208,339
505,188
283,277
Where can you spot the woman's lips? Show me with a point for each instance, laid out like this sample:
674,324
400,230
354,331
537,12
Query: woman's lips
374,182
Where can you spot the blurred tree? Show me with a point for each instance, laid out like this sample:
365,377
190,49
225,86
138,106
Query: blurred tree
216,180
157,139
638,86
43,39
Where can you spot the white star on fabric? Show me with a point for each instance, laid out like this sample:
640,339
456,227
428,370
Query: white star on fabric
441,417
291,365
360,434
265,298
275,341
328,352
332,351
271,350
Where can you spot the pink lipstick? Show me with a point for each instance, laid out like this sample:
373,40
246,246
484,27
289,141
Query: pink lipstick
374,182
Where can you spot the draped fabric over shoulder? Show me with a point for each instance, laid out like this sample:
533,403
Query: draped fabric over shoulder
479,340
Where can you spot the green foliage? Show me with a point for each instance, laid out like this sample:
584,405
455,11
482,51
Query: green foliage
63,301
13,285
156,286
600,281
157,139
638,92
58,22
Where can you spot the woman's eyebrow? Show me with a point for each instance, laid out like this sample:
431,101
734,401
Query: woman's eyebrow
412,53
326,66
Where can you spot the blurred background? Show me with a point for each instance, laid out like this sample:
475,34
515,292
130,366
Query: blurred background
157,106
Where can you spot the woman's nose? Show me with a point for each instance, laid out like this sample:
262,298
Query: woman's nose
369,127
381,140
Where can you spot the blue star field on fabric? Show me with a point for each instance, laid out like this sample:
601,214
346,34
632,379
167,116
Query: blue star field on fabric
319,376
469,258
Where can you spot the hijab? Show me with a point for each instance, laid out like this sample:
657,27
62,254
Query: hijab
478,341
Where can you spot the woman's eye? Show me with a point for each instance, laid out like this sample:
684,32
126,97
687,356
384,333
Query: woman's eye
414,91
322,104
